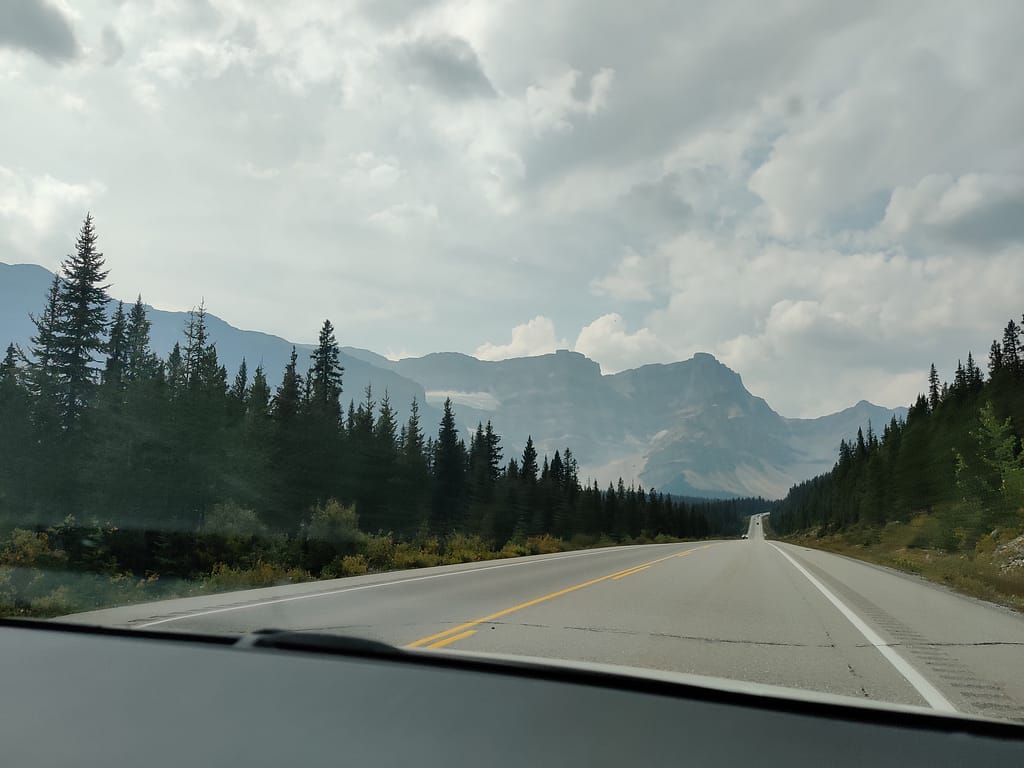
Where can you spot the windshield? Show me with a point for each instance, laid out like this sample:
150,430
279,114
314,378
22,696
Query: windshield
681,336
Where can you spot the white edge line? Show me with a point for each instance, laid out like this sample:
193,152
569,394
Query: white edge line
328,593
928,691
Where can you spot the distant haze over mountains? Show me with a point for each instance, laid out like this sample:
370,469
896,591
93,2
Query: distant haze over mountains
689,427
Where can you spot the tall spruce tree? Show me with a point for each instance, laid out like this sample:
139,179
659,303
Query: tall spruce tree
42,374
933,388
528,466
80,336
117,350
326,374
140,362
197,340
1011,357
449,475
16,440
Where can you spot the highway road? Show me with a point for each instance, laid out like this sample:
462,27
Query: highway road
752,610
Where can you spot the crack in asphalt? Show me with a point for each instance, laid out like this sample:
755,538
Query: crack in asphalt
744,641
670,636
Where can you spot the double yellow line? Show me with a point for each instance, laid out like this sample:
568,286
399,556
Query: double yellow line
463,631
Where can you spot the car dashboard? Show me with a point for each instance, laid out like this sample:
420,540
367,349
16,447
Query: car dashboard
83,696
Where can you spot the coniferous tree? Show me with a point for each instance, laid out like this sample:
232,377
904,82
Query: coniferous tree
449,475
933,388
16,439
117,350
176,375
493,446
291,497
973,375
83,322
240,386
413,448
995,359
197,340
140,362
42,377
528,466
326,374
1011,355
258,400
287,398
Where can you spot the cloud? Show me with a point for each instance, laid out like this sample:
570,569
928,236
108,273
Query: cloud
975,209
535,337
112,45
392,13
607,341
36,211
552,105
402,218
448,65
38,27
636,278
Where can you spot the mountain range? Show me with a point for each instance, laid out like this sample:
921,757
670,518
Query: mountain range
689,428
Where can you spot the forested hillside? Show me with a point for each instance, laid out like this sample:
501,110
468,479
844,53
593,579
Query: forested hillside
115,460
955,462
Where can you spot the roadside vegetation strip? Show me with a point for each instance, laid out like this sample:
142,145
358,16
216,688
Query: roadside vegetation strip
362,587
431,640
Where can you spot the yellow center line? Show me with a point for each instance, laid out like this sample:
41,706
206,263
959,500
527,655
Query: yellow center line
430,639
630,573
452,639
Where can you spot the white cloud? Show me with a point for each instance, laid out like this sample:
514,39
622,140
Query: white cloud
35,208
607,341
552,104
535,337
975,207
403,218
636,278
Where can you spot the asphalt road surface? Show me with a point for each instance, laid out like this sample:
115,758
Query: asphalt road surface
752,610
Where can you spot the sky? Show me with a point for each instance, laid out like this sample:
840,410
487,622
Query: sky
826,196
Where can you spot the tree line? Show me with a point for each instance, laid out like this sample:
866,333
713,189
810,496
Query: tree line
99,431
956,457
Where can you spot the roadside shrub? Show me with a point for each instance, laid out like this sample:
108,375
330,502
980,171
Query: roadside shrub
353,565
409,555
985,545
226,578
582,541
30,568
380,552
349,565
55,603
543,545
334,524
513,549
331,531
462,548
231,520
